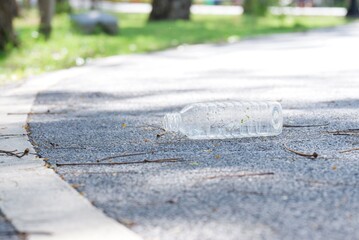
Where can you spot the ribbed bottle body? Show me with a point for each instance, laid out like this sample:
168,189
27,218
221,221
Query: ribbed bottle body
229,119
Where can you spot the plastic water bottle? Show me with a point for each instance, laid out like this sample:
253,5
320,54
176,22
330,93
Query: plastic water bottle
230,119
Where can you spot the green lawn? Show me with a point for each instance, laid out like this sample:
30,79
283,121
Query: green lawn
67,47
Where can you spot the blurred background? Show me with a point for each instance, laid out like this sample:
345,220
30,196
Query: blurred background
38,36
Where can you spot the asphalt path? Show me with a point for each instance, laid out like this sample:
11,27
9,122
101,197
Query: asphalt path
251,188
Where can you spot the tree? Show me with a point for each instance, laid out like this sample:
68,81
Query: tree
94,4
170,9
353,9
46,9
26,4
63,6
257,7
8,10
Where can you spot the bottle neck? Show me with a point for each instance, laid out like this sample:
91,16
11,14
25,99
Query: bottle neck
172,122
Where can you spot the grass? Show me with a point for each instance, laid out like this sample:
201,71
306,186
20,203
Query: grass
67,47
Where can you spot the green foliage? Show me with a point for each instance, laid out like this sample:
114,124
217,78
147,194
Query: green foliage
67,47
257,7
62,6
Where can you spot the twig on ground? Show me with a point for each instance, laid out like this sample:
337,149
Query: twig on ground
353,131
21,113
349,150
313,155
241,175
107,172
160,134
304,126
57,146
13,135
16,154
156,127
163,160
124,155
82,148
128,223
120,163
70,148
7,136
36,233
36,113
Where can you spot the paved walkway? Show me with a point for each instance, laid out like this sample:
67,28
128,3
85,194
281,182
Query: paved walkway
116,105
28,186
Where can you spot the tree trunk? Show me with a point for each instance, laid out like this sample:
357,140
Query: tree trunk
353,10
8,10
94,4
170,9
26,4
46,9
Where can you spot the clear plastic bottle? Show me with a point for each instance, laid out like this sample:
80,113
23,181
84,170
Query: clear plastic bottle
231,119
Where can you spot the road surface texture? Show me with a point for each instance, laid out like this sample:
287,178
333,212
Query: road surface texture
249,188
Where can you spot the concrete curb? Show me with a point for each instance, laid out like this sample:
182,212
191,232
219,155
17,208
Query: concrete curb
34,198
